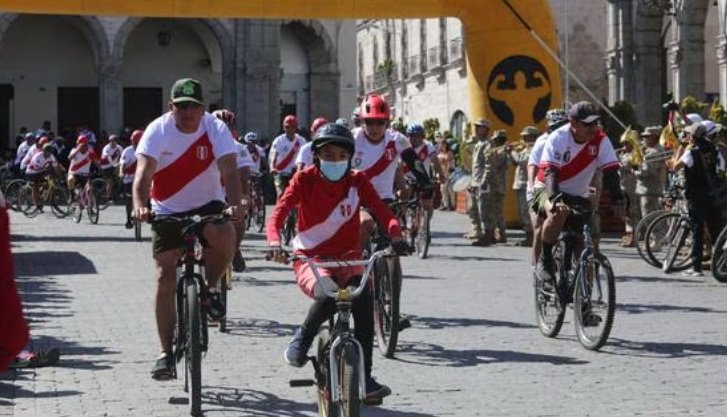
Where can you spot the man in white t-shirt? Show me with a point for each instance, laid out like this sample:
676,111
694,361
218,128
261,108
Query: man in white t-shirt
22,151
283,152
183,159
41,164
571,157
110,157
426,153
127,170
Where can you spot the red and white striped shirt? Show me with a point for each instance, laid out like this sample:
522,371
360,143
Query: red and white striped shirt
110,156
39,163
576,162
80,163
424,153
283,152
128,165
187,176
328,213
379,161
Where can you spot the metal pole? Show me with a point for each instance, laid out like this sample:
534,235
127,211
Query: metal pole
566,95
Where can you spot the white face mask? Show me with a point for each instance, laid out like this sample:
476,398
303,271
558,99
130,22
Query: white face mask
333,171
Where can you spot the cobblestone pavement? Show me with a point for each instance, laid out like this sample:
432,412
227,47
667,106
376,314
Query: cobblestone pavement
473,349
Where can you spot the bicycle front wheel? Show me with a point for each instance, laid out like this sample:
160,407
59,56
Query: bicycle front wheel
59,202
193,351
387,289
349,404
719,257
640,235
98,185
93,208
594,302
669,232
25,201
423,236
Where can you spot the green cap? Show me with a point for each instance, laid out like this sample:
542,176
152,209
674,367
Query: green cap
500,134
187,89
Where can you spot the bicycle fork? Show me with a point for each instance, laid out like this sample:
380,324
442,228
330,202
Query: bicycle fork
335,371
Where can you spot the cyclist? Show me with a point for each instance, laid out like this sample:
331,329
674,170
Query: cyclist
42,164
555,118
257,153
378,150
127,170
109,163
183,158
80,159
32,151
328,196
570,159
427,154
23,149
305,155
356,117
283,151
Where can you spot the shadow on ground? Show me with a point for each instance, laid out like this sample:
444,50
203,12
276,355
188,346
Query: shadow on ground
259,328
661,308
453,322
663,349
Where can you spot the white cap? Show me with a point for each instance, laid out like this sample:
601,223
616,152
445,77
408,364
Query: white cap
695,117
709,127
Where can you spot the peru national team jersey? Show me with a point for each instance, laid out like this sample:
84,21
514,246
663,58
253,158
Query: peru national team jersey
110,156
80,163
40,163
283,152
424,153
244,160
576,163
537,152
187,176
305,155
379,161
128,164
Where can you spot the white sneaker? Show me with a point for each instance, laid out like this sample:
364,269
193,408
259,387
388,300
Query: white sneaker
691,272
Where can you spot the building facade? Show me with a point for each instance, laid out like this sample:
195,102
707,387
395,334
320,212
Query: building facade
109,73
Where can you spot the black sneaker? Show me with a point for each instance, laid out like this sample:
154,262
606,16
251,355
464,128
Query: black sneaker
163,369
374,390
129,224
296,353
404,323
545,271
238,262
215,306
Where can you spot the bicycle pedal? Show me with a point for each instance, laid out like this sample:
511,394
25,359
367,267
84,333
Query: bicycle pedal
372,402
302,383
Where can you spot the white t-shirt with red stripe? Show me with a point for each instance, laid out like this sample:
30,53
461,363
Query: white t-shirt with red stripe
32,151
379,161
576,162
128,164
256,154
80,163
244,160
283,152
39,163
187,176
305,155
424,153
111,155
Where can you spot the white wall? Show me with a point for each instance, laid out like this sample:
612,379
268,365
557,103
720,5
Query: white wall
295,81
343,36
38,55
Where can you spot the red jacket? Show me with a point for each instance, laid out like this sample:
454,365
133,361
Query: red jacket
328,213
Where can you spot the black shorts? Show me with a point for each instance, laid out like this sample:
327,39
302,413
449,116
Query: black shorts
108,172
168,236
35,178
80,180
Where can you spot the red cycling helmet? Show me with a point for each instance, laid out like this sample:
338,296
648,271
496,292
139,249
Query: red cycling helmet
82,140
42,141
225,115
374,107
136,136
317,123
290,120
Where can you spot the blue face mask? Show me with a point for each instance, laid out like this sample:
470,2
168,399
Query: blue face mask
333,171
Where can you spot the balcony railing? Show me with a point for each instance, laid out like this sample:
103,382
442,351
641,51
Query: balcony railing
434,59
455,49
414,65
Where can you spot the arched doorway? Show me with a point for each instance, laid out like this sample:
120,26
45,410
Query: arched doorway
175,49
458,124
295,80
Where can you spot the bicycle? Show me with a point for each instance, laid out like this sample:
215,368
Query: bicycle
672,200
50,193
338,365
587,281
671,234
11,192
719,257
191,336
257,207
84,198
416,221
99,188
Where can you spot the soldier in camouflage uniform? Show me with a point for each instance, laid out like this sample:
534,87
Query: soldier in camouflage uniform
520,159
496,165
628,186
651,176
472,147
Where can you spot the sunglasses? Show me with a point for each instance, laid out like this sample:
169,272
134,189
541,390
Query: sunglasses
375,122
187,105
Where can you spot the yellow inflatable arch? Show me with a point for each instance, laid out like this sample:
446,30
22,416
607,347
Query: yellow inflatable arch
512,79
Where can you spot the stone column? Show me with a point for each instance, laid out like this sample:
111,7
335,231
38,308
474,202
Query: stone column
722,62
324,94
648,68
686,50
111,96
619,55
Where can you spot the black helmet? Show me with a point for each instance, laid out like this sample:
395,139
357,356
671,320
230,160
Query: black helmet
335,134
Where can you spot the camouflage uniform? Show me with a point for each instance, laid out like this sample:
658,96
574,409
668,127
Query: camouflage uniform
469,154
650,181
496,179
520,160
628,185
477,197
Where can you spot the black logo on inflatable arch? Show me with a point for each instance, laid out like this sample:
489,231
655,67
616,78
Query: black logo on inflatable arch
520,85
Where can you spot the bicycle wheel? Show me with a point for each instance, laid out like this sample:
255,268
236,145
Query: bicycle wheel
137,231
25,201
424,238
413,220
59,202
719,257
549,310
93,209
387,288
349,404
594,302
98,185
260,215
12,190
661,235
193,351
323,380
640,234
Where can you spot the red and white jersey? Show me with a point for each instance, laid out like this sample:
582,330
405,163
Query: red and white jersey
305,155
379,161
32,151
39,163
187,176
244,160
256,154
576,162
111,155
283,152
328,213
424,153
128,165
537,152
80,163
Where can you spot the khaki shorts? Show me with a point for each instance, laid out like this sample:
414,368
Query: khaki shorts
168,236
